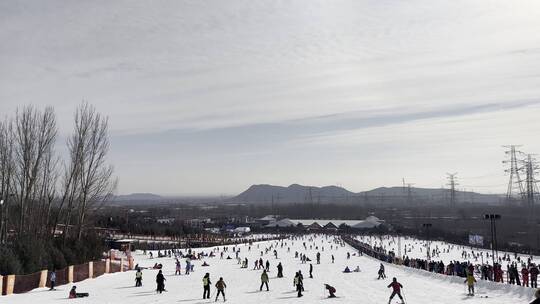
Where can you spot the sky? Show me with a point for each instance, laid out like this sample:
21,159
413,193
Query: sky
209,97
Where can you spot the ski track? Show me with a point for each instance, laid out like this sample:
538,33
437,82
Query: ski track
243,285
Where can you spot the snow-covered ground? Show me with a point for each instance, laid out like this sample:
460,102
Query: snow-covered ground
446,252
243,284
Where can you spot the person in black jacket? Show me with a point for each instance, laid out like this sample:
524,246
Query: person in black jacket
280,270
160,280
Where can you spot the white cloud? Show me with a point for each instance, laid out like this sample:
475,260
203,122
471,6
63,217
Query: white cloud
203,65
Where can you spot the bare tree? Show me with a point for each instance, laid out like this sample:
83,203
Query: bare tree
6,175
34,138
88,180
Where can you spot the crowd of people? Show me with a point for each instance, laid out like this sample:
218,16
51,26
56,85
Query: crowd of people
312,248
525,274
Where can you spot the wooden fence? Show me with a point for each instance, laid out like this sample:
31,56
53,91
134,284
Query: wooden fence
13,284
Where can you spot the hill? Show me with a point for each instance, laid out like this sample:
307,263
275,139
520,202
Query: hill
332,194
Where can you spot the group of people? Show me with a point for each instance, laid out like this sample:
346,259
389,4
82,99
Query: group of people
519,272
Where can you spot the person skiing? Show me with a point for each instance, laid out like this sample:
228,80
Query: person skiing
332,259
74,294
138,278
280,270
331,290
470,280
382,275
52,279
267,265
318,257
311,271
220,285
396,290
298,283
206,286
178,268
160,280
264,280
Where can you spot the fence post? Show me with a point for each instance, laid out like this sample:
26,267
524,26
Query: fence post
130,262
1,285
107,266
70,274
90,270
122,265
43,278
10,284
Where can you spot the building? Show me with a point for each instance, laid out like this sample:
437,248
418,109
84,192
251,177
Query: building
317,224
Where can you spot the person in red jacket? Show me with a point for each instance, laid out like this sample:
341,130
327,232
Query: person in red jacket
525,276
396,290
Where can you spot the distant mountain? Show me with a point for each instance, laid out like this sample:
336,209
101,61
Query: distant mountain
332,194
292,194
138,197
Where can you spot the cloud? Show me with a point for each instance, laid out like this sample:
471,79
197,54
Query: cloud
246,83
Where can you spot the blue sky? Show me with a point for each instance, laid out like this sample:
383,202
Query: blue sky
209,97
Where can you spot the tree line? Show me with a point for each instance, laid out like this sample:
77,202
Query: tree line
47,197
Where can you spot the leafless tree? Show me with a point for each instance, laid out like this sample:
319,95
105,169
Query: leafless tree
6,175
88,180
34,134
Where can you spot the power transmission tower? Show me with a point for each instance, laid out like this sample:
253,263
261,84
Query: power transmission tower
407,190
514,179
409,193
452,182
531,170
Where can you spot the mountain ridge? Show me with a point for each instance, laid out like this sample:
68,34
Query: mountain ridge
295,193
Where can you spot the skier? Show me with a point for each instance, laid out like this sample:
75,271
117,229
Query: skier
279,270
298,283
331,290
160,280
138,278
188,265
311,271
206,286
382,275
220,285
178,268
470,280
52,278
74,294
264,280
396,290
267,265
332,259
318,257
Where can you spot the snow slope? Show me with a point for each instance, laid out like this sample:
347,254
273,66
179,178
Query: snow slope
243,284
446,252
